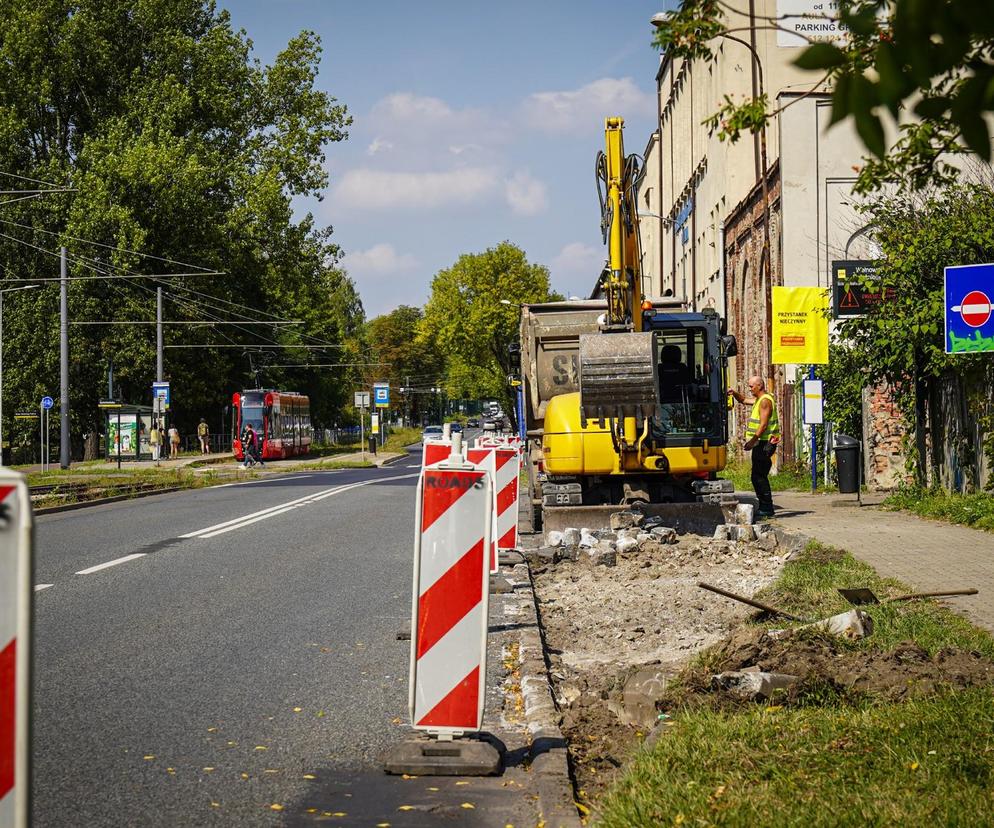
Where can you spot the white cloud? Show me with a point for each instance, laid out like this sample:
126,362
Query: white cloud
406,118
577,266
526,195
378,259
369,189
378,145
590,104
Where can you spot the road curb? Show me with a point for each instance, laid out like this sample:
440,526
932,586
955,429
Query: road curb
548,752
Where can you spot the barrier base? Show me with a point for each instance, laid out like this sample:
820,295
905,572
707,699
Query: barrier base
430,757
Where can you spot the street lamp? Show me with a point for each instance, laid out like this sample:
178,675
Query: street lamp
2,292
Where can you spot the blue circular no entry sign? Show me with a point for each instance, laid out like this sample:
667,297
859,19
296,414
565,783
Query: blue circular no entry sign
47,402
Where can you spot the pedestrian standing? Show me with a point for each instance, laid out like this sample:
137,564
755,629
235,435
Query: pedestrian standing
762,436
173,443
204,434
155,440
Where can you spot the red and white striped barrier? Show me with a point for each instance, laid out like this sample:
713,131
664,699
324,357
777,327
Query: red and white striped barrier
451,597
508,468
435,451
486,460
15,648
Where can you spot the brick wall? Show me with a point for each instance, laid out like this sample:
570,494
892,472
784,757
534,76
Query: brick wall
883,434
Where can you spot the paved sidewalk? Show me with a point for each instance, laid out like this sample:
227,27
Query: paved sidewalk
928,555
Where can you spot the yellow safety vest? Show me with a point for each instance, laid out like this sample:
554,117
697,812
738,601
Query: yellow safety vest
772,425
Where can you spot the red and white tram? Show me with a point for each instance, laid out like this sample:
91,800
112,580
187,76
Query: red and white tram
281,419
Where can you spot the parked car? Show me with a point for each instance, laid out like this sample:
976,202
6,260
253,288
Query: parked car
431,432
472,422
489,425
454,427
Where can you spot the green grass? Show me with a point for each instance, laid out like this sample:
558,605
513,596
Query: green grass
925,762
790,478
835,760
975,510
399,438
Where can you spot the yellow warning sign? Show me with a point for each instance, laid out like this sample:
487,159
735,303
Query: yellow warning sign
800,325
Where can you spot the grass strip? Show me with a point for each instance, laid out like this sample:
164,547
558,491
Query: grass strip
924,762
975,510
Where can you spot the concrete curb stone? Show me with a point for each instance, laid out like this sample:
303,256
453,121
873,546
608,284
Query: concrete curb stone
549,756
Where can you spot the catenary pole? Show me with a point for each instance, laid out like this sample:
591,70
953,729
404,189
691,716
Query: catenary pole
64,457
158,334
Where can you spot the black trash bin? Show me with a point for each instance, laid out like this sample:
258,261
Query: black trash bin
6,458
847,463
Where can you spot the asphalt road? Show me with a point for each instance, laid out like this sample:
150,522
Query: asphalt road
224,655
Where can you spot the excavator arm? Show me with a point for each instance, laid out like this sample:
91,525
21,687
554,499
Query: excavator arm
618,178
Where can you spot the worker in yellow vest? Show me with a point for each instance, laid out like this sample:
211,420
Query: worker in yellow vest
761,438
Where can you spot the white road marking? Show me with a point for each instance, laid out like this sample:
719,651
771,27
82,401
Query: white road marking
40,587
281,508
114,562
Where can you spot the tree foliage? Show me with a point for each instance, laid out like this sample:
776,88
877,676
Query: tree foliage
472,329
404,360
925,64
178,145
903,340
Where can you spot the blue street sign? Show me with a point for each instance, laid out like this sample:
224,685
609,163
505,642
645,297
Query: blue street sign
161,389
47,402
969,311
381,395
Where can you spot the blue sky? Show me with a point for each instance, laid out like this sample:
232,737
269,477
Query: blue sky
473,123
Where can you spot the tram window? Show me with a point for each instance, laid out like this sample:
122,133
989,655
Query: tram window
252,414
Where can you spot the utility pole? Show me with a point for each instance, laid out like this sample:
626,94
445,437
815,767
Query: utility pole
158,334
64,448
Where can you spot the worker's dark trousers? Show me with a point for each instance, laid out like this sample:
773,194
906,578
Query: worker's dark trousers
762,462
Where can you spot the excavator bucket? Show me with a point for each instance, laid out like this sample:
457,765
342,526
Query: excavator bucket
619,375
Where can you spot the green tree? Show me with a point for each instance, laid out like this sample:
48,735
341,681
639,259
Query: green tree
403,359
466,321
178,145
927,60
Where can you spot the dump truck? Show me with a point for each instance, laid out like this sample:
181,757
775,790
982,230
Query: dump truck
624,396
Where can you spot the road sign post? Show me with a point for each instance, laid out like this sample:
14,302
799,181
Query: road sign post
16,595
46,406
969,295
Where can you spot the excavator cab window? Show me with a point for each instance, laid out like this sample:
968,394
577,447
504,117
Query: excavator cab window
686,409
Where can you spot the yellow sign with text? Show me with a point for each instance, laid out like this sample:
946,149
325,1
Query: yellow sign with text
800,325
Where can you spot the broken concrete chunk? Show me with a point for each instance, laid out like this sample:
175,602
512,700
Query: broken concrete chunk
651,522
745,533
626,520
542,555
723,532
587,539
767,542
604,534
638,698
554,539
571,537
853,624
751,684
603,554
626,545
642,537
744,514
664,534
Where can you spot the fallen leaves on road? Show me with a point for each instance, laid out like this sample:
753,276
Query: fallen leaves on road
212,730
275,807
173,770
244,776
309,776
215,804
208,769
297,709
149,757
468,806
406,808
261,747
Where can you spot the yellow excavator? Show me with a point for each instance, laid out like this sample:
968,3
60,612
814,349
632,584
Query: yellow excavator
638,413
